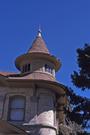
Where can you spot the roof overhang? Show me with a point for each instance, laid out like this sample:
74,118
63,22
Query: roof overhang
43,56
27,83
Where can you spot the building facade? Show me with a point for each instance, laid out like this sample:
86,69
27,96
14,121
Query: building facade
32,101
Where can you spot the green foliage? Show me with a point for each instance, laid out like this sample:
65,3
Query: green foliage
81,79
81,106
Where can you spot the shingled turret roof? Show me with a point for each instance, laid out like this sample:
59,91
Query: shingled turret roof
38,50
38,45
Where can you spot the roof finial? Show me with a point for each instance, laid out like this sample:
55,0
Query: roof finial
39,32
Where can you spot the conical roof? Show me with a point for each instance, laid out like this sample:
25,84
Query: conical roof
38,45
38,50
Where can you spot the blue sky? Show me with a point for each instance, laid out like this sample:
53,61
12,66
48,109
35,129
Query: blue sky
65,27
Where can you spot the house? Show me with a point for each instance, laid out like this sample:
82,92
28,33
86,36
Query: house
32,101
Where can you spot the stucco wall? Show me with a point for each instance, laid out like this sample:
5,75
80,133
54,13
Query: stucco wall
39,107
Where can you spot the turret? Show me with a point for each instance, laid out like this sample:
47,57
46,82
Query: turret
39,65
38,59
34,97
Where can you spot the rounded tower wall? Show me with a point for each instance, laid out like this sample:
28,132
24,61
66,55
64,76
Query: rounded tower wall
46,108
44,105
38,65
42,116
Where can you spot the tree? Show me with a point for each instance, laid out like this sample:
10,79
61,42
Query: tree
81,79
78,115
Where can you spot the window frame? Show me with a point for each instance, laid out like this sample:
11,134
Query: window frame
10,109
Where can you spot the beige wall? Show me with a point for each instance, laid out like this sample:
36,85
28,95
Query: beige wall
39,104
40,107
38,66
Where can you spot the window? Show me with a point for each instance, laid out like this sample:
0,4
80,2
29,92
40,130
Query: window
48,69
26,68
16,108
23,69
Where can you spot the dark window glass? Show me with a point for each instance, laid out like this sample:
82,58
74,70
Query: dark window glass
28,67
46,68
17,108
23,69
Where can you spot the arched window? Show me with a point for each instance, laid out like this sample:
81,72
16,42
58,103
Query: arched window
16,108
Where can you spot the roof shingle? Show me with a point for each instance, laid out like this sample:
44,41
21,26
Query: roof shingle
38,46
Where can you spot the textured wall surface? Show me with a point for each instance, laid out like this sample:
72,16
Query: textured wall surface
39,109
